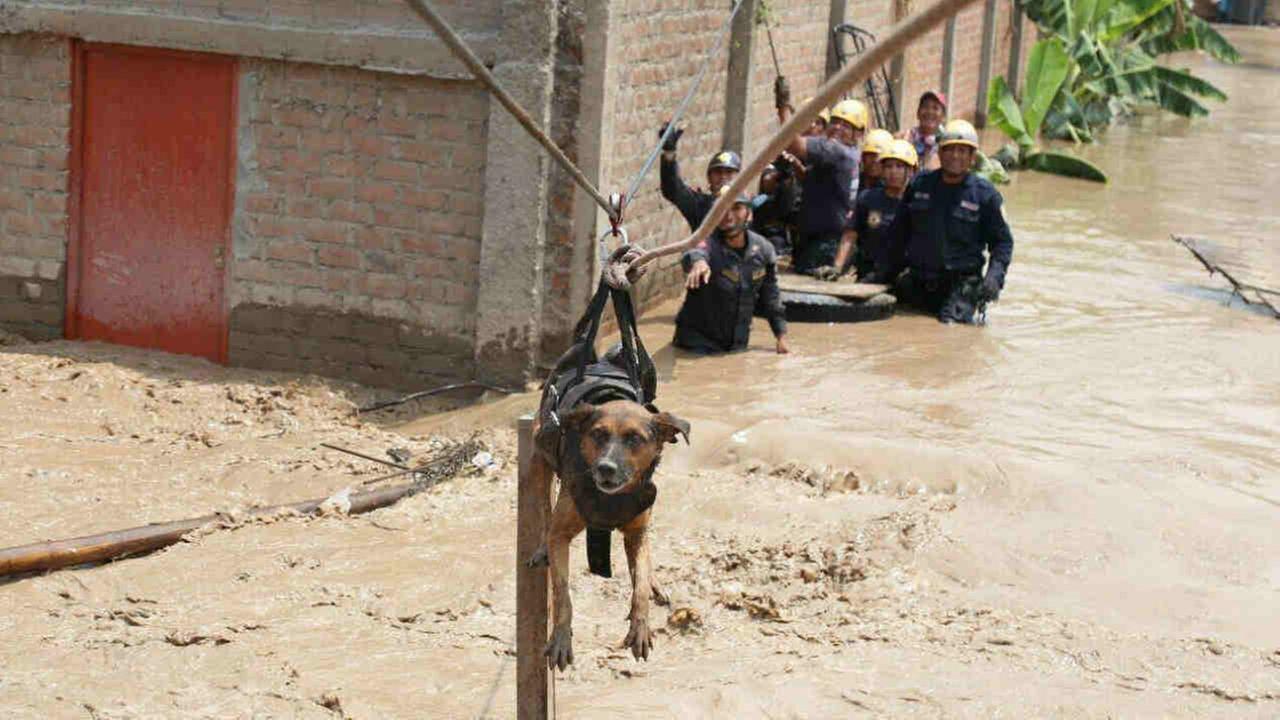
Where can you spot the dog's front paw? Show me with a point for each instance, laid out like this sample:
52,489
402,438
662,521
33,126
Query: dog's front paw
639,639
559,650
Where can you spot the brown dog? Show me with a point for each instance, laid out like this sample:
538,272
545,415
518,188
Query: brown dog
607,458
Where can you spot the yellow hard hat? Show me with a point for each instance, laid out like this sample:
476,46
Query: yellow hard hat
825,115
877,141
901,150
852,112
958,132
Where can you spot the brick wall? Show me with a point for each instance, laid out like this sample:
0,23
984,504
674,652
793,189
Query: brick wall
359,207
799,30
661,44
35,119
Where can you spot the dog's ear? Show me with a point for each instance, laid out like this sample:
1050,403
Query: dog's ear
667,426
579,418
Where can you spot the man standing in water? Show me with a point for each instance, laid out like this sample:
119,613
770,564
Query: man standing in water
694,204
831,182
727,277
947,218
877,207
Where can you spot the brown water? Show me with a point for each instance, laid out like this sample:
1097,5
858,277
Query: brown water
1071,512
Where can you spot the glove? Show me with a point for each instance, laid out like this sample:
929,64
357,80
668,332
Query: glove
990,289
827,272
781,93
670,144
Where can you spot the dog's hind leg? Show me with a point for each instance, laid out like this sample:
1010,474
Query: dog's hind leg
566,523
636,539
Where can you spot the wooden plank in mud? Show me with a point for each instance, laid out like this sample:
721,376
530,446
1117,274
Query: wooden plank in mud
843,288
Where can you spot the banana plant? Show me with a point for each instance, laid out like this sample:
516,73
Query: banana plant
1047,69
1113,46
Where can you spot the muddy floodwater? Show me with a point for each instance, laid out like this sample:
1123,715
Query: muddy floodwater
1072,512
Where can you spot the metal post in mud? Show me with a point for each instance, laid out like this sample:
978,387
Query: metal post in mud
533,512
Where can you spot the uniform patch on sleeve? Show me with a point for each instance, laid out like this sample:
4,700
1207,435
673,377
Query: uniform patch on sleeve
758,275
972,206
731,274
922,195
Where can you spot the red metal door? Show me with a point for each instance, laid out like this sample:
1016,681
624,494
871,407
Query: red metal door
152,160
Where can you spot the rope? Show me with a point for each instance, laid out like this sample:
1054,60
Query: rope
893,43
682,107
477,68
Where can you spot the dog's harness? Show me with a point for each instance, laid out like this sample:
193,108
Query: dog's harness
626,373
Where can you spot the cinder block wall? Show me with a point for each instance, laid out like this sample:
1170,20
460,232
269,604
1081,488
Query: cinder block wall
35,120
357,224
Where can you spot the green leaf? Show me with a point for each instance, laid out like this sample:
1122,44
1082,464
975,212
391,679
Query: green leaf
991,169
1129,14
1053,17
1177,102
1199,36
1189,84
1068,165
1047,68
1081,16
1004,113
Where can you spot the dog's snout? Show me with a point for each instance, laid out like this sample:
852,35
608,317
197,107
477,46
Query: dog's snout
607,470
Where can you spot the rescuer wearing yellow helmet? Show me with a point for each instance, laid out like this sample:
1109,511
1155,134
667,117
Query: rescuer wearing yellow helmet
864,239
831,182
951,221
876,143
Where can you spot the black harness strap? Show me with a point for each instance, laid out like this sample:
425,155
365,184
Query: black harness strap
593,381
636,360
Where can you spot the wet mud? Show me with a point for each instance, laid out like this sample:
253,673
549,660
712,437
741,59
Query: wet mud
1069,513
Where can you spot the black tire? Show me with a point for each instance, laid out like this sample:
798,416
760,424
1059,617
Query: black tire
815,308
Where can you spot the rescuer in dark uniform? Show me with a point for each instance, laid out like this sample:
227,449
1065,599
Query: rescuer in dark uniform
877,207
774,209
947,218
694,204
727,277
831,182
875,144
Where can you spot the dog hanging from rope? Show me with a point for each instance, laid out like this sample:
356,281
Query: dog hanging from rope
598,430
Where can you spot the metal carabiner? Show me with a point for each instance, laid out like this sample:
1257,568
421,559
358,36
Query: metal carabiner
604,249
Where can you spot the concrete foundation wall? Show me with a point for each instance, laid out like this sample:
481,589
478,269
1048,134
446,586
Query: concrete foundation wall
35,122
358,194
